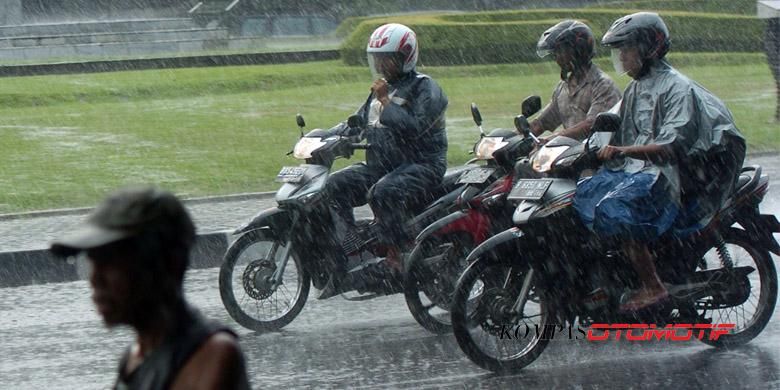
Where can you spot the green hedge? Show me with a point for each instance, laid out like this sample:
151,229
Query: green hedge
744,7
510,36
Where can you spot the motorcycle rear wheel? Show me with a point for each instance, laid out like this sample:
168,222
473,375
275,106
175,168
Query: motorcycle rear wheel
432,270
763,290
243,287
494,342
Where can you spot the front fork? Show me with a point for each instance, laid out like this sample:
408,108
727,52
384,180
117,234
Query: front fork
519,305
276,277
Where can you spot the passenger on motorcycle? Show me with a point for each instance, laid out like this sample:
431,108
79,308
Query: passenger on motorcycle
673,162
584,90
405,114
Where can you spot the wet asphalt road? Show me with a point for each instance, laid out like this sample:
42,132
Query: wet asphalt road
53,338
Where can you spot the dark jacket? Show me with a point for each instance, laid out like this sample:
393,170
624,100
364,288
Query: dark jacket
411,129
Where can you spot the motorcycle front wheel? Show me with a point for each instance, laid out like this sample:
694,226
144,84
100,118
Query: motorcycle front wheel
246,285
488,329
432,270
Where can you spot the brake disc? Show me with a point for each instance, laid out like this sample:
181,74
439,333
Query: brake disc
257,279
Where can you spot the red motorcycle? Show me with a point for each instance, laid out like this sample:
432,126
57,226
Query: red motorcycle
438,257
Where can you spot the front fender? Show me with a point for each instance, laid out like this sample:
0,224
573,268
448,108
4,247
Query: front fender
438,224
279,220
492,243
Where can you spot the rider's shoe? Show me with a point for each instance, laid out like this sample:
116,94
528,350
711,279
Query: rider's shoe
331,288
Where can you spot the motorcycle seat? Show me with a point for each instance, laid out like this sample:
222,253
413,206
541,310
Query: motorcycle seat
748,180
448,183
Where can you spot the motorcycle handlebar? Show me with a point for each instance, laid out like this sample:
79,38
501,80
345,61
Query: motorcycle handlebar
360,146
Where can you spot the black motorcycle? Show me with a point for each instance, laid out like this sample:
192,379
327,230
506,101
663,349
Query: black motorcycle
266,274
549,272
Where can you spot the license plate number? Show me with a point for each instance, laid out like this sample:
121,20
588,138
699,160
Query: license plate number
476,176
291,174
529,189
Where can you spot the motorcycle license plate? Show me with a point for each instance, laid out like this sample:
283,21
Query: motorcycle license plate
476,176
529,189
291,174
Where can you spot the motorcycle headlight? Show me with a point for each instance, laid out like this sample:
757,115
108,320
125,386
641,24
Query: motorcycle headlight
542,161
306,146
567,160
487,146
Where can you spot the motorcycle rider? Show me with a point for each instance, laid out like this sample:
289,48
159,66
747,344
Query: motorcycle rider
673,162
584,90
405,114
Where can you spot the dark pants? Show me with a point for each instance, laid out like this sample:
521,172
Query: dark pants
625,205
394,198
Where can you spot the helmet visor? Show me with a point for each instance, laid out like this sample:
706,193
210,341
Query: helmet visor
543,52
616,62
384,65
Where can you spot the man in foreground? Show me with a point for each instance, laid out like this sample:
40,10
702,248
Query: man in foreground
137,243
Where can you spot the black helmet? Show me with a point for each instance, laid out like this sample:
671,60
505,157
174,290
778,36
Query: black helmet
572,33
645,30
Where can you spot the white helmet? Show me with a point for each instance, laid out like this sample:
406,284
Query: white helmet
390,39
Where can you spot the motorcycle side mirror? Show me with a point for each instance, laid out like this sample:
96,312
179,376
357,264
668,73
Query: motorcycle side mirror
606,122
531,105
356,122
522,125
524,128
301,123
477,117
475,114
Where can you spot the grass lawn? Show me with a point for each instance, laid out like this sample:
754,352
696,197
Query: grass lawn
68,140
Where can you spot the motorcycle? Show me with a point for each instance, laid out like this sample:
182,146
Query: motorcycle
549,271
438,257
266,273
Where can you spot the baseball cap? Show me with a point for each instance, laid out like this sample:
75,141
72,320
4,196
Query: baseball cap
128,213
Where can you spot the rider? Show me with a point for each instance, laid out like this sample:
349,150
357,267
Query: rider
584,90
676,155
406,130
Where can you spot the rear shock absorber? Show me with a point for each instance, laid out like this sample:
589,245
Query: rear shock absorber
723,252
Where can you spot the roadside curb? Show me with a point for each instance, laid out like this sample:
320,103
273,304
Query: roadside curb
86,210
36,266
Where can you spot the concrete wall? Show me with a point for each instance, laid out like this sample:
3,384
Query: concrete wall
168,63
11,12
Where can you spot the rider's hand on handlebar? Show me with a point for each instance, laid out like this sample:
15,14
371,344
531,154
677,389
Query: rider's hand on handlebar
542,141
609,152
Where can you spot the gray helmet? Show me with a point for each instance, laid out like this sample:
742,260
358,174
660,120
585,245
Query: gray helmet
572,33
645,30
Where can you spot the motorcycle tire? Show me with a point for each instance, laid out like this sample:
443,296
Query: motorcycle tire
474,326
742,251
246,295
431,271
